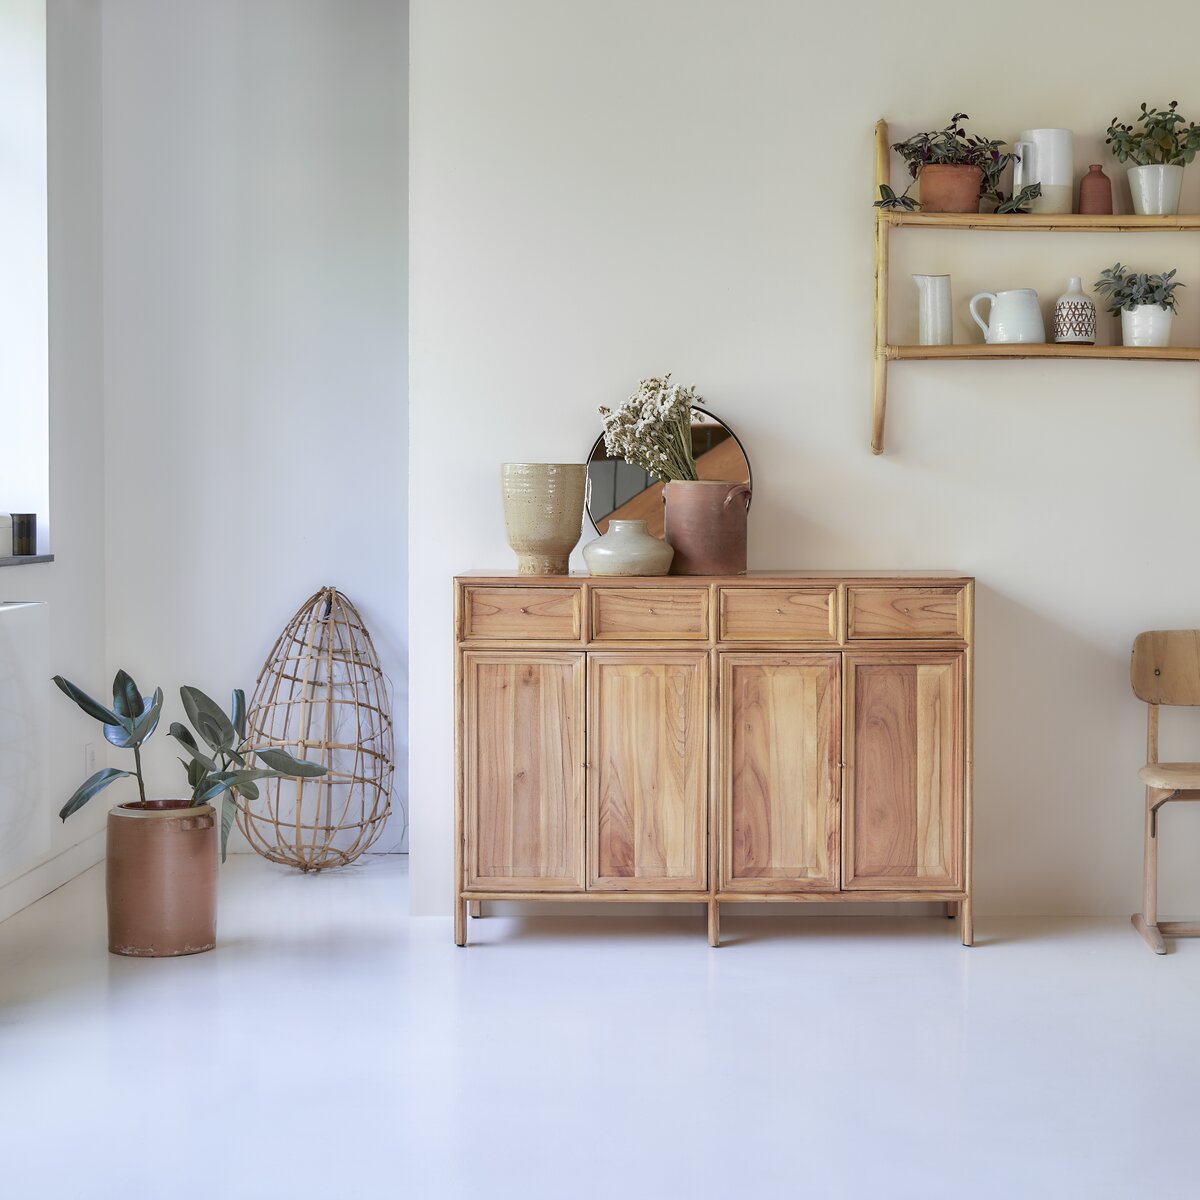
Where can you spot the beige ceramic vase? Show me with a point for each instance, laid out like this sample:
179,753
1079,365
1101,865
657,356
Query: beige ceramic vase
543,513
161,878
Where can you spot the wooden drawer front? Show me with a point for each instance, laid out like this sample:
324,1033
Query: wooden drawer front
778,614
522,613
905,612
646,614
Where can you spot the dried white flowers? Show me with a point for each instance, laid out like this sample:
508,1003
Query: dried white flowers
653,428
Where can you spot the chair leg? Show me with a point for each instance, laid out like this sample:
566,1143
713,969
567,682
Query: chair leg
1146,922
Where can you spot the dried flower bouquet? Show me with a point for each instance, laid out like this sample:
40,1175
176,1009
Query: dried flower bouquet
653,428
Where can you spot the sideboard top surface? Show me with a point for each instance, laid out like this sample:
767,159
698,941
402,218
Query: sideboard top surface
785,577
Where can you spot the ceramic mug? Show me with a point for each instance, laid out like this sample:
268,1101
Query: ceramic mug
1045,157
1014,317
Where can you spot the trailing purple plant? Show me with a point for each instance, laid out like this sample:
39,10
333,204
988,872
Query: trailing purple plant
953,146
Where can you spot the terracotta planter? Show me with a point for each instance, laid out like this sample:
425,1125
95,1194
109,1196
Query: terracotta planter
705,522
161,878
543,513
950,188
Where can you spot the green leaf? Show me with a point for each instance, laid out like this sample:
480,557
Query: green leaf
248,790
183,736
133,733
209,720
237,713
105,716
97,783
223,781
282,762
228,812
127,700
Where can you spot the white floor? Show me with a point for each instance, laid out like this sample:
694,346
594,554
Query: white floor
331,1046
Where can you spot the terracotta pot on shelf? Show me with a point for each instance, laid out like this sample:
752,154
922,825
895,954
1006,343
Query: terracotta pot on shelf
161,878
705,522
950,188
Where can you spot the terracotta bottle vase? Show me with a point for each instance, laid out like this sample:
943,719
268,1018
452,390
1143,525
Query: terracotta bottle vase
161,878
705,521
1095,192
950,188
543,513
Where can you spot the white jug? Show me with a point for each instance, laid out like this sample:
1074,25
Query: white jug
934,326
1044,156
1014,316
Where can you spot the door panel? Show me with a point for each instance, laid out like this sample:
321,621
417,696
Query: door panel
904,771
647,772
524,771
780,733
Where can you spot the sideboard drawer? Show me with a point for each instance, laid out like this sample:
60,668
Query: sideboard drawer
905,612
522,613
644,614
778,614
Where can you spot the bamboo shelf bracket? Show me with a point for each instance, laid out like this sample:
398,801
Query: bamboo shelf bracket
889,219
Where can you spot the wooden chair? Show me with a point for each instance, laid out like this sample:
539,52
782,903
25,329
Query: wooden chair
1165,669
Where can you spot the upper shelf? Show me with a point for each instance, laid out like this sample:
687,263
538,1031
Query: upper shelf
1043,222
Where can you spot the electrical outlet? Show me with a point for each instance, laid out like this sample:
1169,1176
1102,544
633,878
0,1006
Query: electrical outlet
89,760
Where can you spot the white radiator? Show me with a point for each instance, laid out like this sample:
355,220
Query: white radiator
26,811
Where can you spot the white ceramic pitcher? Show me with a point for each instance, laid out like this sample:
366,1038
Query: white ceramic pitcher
1014,316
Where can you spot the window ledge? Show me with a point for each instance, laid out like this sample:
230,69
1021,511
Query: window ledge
19,560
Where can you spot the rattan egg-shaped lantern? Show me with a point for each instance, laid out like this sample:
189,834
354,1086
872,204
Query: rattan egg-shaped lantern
321,695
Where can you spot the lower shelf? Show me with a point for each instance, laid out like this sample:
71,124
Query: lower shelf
1046,350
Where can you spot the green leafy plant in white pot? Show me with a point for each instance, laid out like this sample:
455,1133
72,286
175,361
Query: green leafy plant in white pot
1158,146
161,855
1146,303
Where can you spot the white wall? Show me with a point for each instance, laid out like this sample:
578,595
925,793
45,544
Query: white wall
24,387
255,334
602,192
73,586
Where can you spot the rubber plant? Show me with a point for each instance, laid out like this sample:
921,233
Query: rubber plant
219,771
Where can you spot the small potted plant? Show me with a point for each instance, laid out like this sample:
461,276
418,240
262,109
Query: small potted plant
161,857
956,172
1146,303
1158,150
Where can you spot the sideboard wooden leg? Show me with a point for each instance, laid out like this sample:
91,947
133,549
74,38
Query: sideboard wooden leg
968,922
475,908
460,921
951,909
714,923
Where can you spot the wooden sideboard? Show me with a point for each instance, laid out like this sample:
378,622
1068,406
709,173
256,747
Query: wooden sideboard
761,737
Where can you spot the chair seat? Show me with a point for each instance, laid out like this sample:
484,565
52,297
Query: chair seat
1171,775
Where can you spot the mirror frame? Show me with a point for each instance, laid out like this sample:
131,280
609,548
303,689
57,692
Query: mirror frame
695,408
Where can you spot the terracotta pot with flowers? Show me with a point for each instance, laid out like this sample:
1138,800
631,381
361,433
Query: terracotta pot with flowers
955,171
161,857
704,520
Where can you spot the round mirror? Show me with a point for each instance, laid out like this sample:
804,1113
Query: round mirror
616,488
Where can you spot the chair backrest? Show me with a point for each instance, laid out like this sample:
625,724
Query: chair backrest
1165,668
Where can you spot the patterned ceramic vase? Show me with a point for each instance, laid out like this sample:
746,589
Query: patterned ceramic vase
628,548
1075,316
543,513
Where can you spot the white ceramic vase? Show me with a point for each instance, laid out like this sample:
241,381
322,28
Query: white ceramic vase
1146,325
1045,156
934,325
1155,190
1075,316
627,548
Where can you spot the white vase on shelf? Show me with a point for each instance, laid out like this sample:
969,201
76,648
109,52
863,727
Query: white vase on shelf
934,310
1155,189
1075,316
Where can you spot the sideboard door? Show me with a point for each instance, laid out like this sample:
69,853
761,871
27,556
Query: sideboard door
523,770
904,752
647,772
780,737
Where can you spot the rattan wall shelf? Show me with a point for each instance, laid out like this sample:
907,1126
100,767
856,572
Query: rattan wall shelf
887,220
